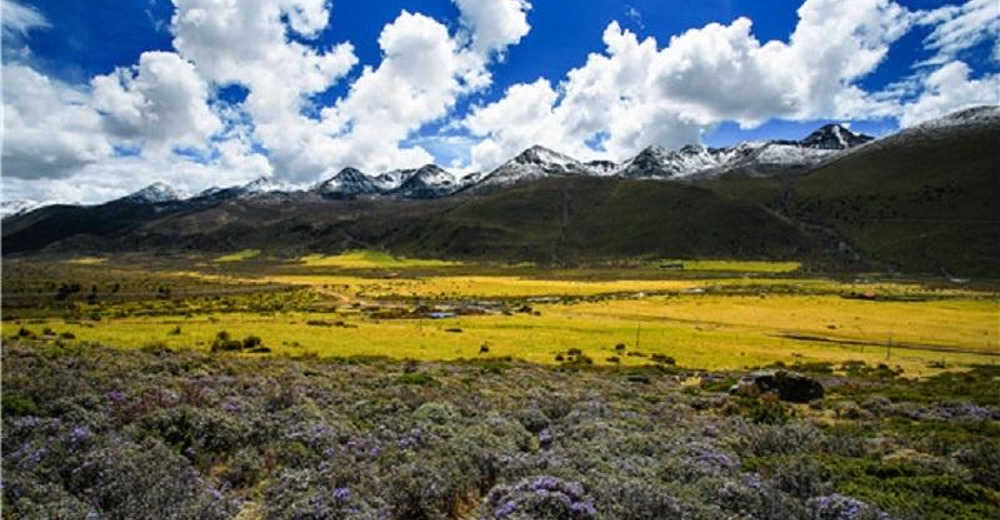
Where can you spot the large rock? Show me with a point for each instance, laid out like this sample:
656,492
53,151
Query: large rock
788,386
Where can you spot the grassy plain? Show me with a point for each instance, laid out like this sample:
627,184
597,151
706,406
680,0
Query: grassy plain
729,266
371,304
239,256
362,259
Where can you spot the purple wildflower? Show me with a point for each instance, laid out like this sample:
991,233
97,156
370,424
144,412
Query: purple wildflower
79,436
508,508
342,494
115,397
545,438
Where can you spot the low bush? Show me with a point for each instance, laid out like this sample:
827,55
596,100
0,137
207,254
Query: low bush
223,342
768,411
663,359
417,378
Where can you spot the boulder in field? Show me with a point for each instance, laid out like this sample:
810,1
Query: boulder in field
788,386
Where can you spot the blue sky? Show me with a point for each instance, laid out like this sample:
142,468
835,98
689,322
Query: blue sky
212,105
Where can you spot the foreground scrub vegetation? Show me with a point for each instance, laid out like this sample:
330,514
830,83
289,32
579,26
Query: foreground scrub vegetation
98,432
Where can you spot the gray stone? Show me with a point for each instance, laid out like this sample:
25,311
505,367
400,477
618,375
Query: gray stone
788,386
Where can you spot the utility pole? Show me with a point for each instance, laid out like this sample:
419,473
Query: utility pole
638,326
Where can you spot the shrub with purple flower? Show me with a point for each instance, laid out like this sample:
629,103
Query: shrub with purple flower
543,497
840,507
131,434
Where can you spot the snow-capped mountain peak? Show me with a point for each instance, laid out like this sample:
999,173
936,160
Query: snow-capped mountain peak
392,179
471,178
254,188
9,208
652,161
534,163
834,137
543,156
980,115
348,182
602,168
259,185
428,181
433,174
156,193
655,162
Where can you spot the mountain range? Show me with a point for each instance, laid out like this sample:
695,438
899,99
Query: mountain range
432,181
922,200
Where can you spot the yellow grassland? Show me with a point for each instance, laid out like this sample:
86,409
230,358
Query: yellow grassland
700,330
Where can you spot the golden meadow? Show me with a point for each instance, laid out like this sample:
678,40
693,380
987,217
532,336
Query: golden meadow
709,314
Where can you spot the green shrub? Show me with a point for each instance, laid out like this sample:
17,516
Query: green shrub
15,405
223,342
663,359
319,323
245,468
156,347
766,411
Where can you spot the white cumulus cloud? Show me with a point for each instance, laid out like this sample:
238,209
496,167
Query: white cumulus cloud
161,102
948,89
422,74
65,143
49,129
160,120
250,43
424,70
494,24
636,93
